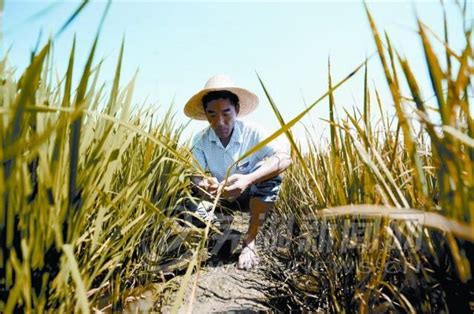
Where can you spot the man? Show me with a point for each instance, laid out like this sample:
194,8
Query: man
224,141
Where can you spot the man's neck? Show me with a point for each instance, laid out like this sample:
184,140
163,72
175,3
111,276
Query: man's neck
226,141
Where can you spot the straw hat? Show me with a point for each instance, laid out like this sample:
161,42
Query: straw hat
248,101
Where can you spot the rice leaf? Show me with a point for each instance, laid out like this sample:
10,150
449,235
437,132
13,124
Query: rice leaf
76,276
334,138
295,148
74,147
72,17
429,219
436,74
464,138
292,122
112,104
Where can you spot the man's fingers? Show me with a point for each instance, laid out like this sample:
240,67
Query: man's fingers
232,179
214,181
211,181
230,188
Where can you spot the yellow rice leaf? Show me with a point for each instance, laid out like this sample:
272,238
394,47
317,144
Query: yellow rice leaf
296,119
293,143
463,137
429,219
76,277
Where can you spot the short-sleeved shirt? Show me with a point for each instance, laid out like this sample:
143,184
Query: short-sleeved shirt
212,156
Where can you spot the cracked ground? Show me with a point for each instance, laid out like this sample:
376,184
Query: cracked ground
222,287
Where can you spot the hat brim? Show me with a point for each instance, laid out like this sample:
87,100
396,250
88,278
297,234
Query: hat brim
248,101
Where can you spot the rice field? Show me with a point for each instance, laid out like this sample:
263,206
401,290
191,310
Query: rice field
379,218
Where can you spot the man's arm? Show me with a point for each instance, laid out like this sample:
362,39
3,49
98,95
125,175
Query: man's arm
272,166
208,184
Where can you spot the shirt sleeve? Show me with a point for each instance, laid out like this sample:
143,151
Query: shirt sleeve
275,146
199,159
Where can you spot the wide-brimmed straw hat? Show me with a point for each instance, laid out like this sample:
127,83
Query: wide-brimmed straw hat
248,101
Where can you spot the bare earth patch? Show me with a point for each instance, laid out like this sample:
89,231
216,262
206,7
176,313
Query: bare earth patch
222,287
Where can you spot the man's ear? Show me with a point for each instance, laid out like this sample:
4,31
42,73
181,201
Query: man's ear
237,108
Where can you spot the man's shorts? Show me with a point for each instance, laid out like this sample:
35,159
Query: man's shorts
267,191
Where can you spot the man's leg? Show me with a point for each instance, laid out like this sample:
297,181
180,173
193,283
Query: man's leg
258,209
262,199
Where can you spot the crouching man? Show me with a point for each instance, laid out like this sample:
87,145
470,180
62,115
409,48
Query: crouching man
254,181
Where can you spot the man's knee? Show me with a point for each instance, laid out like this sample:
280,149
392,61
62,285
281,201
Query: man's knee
268,190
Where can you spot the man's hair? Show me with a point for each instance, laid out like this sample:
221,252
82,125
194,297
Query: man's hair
221,94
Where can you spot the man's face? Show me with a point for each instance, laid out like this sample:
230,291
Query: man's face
221,115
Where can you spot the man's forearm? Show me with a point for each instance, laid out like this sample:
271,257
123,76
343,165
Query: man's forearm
271,167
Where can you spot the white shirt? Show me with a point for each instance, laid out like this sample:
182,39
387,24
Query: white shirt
212,156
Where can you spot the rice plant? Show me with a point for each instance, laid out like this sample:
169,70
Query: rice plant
384,256
88,185
379,219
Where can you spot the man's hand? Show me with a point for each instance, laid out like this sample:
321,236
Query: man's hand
236,185
209,184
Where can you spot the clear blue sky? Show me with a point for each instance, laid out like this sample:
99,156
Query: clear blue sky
178,46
